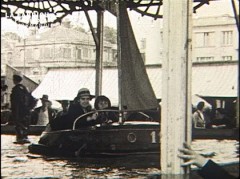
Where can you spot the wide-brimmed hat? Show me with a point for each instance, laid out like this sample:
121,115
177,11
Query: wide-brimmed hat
65,102
44,98
84,92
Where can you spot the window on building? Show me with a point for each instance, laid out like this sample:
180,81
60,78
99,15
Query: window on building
90,53
41,53
205,59
79,54
114,55
45,53
87,53
66,53
227,58
36,53
205,39
227,37
29,54
220,103
59,53
22,55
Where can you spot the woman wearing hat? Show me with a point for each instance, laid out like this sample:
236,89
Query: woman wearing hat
105,117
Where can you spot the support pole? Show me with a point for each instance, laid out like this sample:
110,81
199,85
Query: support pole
176,98
119,60
99,53
24,59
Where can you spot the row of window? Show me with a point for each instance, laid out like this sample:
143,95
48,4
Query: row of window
208,59
49,53
207,39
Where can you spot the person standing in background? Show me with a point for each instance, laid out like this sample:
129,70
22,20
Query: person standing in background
65,105
20,112
198,116
4,97
43,114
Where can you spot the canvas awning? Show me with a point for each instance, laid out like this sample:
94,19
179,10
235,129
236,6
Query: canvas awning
60,84
215,81
63,84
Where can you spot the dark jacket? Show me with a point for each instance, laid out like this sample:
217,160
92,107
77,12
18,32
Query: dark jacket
107,116
212,170
66,121
19,111
34,115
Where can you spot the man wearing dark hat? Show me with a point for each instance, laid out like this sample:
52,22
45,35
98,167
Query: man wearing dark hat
20,113
79,107
43,114
65,106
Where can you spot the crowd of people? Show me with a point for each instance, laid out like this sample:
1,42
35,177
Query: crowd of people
22,116
202,118
71,110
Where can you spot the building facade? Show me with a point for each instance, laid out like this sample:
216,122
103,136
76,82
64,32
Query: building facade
215,39
60,46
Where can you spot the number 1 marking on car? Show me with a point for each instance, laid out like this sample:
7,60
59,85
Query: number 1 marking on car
155,136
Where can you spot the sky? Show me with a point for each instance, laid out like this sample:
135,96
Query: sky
215,8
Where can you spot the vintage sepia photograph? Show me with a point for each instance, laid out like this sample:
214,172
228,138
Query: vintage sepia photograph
120,89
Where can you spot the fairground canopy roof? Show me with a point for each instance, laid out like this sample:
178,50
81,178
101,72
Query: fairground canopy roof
47,12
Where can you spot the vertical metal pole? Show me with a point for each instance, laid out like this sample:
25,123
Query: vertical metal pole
119,60
188,99
99,54
24,54
176,98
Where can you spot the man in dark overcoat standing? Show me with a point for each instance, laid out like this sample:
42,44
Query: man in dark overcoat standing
20,113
